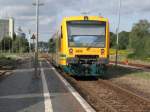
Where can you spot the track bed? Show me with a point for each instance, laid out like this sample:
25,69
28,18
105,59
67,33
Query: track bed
107,97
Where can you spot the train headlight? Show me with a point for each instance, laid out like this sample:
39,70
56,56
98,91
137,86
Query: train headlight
102,51
86,18
70,51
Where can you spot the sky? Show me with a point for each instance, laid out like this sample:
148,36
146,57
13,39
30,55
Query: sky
53,11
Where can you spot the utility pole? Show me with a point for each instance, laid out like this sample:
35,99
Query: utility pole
117,31
33,38
37,4
29,41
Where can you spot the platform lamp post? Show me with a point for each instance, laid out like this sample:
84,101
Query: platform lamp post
37,4
29,38
33,38
33,48
117,31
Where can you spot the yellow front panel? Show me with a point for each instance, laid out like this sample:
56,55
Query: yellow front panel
87,51
81,51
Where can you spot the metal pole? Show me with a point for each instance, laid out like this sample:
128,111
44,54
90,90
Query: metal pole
29,41
37,4
37,35
33,45
117,31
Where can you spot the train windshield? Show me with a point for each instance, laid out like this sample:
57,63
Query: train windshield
86,34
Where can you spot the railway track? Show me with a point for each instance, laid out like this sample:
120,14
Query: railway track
104,96
107,97
124,100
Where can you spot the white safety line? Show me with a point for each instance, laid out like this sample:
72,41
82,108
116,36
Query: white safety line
80,99
47,100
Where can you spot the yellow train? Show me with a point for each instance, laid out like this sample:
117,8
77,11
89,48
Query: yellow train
81,46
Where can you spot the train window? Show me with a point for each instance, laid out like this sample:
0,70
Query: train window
86,33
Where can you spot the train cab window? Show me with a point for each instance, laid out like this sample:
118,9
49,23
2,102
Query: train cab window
86,34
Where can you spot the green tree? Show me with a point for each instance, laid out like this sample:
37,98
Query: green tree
140,39
123,40
6,43
16,42
25,45
112,40
20,45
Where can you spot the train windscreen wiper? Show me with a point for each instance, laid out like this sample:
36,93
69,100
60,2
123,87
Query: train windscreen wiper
90,46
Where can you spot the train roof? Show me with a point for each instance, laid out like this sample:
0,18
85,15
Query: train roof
72,18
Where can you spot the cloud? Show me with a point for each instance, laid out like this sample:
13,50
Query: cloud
54,10
13,10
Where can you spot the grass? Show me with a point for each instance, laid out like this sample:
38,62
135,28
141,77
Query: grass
142,74
7,61
7,55
123,55
120,52
133,56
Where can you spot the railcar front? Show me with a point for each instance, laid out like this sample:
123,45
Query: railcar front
84,45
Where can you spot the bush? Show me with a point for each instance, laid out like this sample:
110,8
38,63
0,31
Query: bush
140,40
